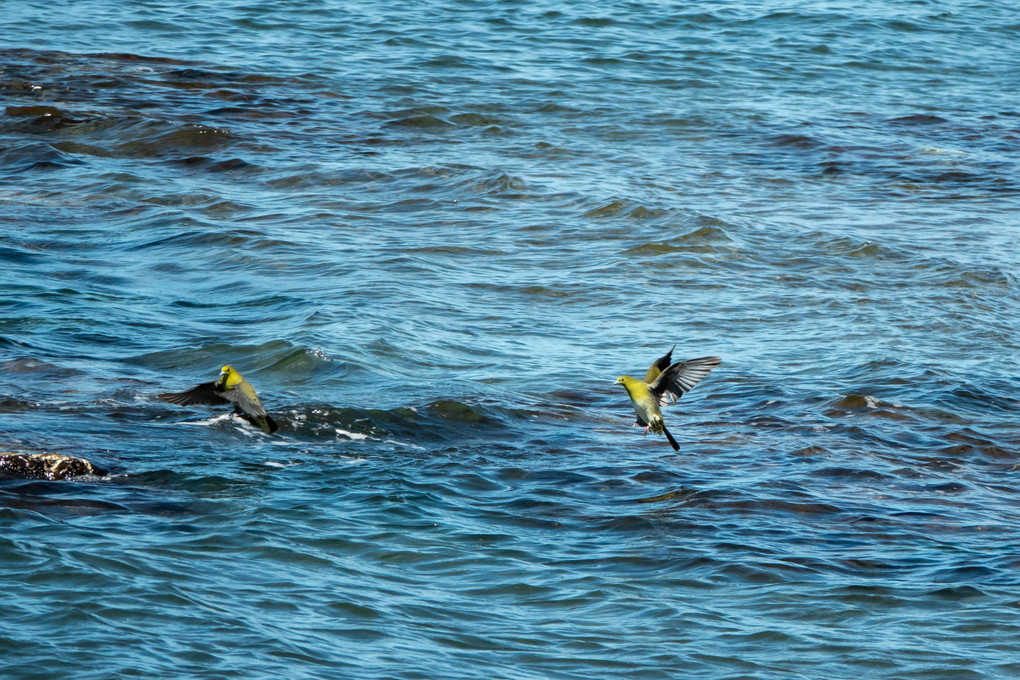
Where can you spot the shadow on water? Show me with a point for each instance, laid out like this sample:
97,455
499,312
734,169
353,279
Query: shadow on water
92,496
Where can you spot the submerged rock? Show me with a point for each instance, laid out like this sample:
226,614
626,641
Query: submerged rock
51,466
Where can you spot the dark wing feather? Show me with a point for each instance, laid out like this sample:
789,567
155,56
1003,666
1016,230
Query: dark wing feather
206,393
681,377
660,365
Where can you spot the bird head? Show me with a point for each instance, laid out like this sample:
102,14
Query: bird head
226,373
622,379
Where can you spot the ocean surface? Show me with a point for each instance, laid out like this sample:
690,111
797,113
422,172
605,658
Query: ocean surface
432,235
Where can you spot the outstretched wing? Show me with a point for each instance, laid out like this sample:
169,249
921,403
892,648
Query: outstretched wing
206,393
681,377
660,365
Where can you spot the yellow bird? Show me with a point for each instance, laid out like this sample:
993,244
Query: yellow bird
664,382
230,388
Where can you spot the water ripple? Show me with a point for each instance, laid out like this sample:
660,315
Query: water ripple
432,256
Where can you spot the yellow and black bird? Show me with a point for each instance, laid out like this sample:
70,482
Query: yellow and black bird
230,388
664,382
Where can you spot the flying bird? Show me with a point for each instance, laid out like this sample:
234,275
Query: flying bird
230,388
664,382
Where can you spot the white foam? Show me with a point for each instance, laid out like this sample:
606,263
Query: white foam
941,150
319,353
240,424
207,421
410,446
357,436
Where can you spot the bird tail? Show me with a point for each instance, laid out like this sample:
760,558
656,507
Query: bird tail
267,424
672,442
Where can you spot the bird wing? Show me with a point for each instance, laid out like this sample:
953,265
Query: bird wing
244,397
660,365
680,378
206,393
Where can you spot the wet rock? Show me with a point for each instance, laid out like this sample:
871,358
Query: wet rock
51,466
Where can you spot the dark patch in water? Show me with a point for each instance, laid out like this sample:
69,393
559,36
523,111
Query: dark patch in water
918,119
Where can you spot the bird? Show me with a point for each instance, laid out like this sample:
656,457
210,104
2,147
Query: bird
230,388
664,382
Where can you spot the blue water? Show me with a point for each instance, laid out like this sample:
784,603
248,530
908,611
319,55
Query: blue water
431,236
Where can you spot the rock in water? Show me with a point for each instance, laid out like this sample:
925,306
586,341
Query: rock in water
50,466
